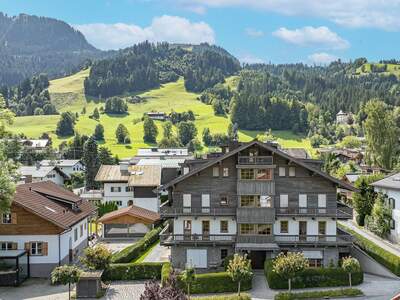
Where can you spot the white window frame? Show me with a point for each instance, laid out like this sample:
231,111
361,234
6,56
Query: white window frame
187,202
205,203
8,245
225,172
292,171
321,200
6,217
284,200
36,248
282,171
185,170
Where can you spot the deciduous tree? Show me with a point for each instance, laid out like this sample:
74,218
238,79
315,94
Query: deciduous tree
239,269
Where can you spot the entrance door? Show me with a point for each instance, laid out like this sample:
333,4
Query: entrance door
205,230
303,230
257,259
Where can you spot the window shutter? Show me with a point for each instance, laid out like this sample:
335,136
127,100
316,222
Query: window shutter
13,218
45,248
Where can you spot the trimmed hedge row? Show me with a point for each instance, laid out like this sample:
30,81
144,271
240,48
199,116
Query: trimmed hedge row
312,277
319,294
134,251
132,271
385,258
226,297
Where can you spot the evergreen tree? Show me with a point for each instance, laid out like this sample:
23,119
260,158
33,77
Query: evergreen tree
121,133
96,114
91,160
167,130
150,130
105,156
65,126
99,132
187,131
207,138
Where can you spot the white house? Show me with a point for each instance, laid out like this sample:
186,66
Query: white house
49,222
68,166
391,187
42,173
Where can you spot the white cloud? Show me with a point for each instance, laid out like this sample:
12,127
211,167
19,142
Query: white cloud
165,28
321,37
251,59
383,14
322,58
254,32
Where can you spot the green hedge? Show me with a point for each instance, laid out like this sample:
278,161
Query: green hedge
319,294
132,271
312,277
227,297
134,251
385,258
216,283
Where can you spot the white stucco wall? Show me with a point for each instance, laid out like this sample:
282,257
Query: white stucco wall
395,194
122,196
72,169
197,225
152,204
312,226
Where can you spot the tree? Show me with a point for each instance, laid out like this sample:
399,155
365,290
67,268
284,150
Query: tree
381,134
239,269
379,220
150,130
169,143
350,265
96,258
168,291
188,277
116,105
65,275
207,138
233,132
99,132
350,142
187,131
91,160
65,126
105,156
106,207
167,130
289,264
121,133
96,114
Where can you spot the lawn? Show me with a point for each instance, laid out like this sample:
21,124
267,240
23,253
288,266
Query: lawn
391,69
68,95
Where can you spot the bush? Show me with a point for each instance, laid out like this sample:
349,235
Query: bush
132,271
219,282
226,297
96,258
385,258
132,252
319,294
165,273
312,277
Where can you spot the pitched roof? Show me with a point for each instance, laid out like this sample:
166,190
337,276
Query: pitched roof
144,175
40,171
273,150
111,173
297,153
390,182
53,203
134,211
60,163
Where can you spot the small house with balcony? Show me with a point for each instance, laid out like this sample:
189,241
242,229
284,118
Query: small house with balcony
257,199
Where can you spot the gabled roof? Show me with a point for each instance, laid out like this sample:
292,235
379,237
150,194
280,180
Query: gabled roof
40,171
273,150
390,182
60,162
134,211
300,153
143,176
111,173
52,203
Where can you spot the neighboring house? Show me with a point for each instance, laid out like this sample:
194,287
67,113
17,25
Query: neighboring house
254,199
163,153
349,178
68,166
129,185
49,222
346,155
38,145
390,186
161,116
343,117
128,222
40,173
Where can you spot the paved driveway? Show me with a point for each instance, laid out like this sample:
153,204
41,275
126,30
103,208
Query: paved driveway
117,245
158,254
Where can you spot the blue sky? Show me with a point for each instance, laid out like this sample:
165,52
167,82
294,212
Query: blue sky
278,31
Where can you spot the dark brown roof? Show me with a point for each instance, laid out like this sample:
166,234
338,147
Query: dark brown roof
53,203
133,211
273,150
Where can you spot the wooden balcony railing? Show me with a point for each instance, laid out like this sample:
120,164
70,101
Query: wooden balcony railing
170,211
341,213
170,238
314,239
255,160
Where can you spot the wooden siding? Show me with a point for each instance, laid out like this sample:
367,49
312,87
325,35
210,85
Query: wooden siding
28,224
254,187
255,215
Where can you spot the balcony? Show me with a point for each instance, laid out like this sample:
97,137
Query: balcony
170,211
255,160
255,215
340,213
255,187
339,239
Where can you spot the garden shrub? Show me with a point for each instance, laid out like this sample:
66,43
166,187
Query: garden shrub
165,272
132,271
134,251
312,277
319,294
227,297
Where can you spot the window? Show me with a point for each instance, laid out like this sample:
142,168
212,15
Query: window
246,228
284,226
282,171
8,246
247,174
225,172
322,227
7,218
187,226
392,203
119,203
257,229
322,200
127,189
264,174
223,200
75,234
314,263
216,171
36,248
250,201
115,189
224,226
284,201
392,224
224,253
265,201
302,200
264,229
187,200
81,231
205,203
85,225
292,171
185,170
